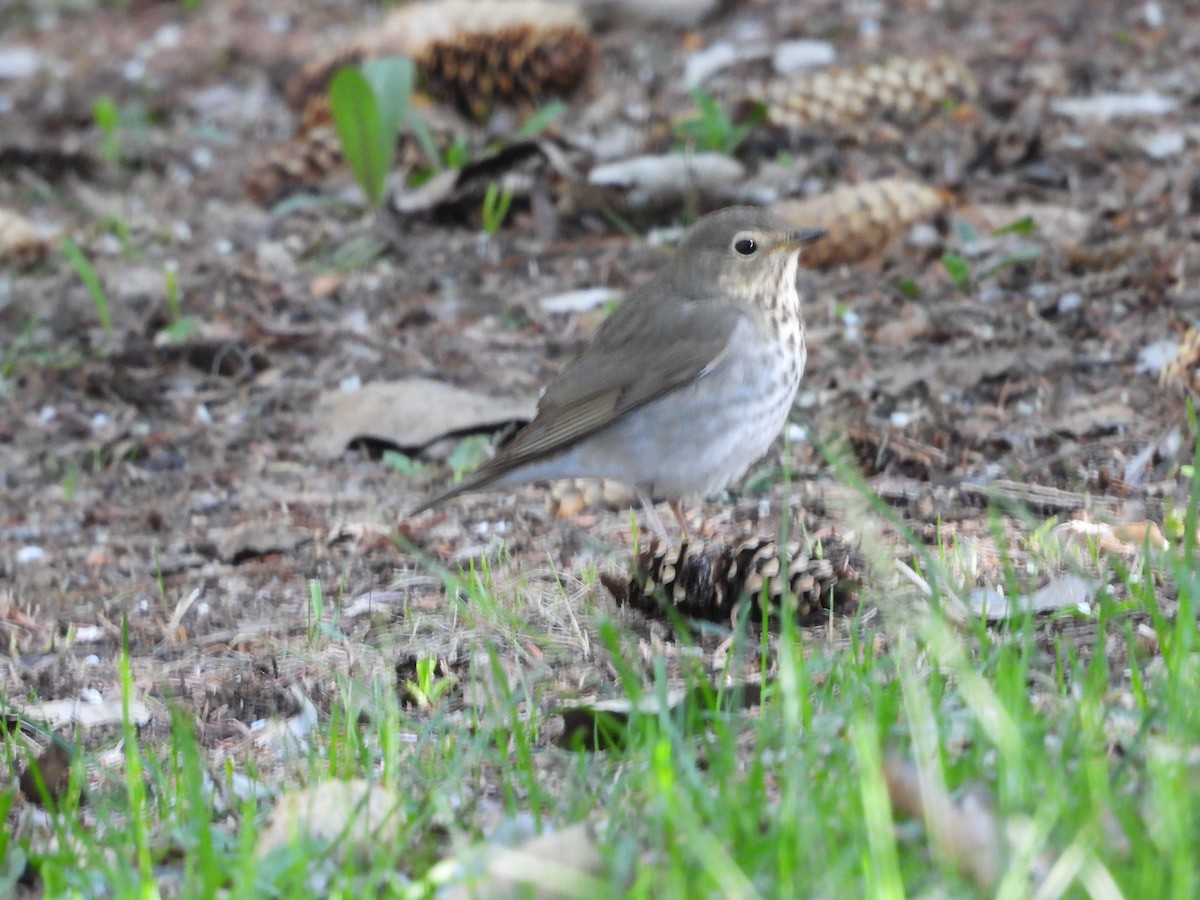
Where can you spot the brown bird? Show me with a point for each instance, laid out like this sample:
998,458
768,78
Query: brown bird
686,384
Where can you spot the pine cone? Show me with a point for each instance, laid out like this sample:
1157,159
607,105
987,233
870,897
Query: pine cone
709,582
302,162
1184,370
517,64
860,219
20,244
903,90
473,53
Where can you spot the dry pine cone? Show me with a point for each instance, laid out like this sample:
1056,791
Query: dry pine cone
20,245
1184,370
301,162
473,53
861,219
707,582
902,89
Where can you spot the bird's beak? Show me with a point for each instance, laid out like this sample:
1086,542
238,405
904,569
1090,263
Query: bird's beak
797,239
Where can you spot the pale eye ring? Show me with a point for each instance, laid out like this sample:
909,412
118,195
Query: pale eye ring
745,246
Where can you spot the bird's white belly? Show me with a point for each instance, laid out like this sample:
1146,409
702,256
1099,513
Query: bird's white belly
696,440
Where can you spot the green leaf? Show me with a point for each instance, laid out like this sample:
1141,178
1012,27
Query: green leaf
908,288
1027,254
391,79
106,115
181,330
108,120
1023,226
965,232
541,120
458,154
91,281
401,463
469,453
958,270
360,127
496,204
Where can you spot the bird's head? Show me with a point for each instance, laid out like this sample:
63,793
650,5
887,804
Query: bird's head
741,251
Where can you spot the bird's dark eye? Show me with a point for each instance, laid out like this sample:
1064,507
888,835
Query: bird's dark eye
745,246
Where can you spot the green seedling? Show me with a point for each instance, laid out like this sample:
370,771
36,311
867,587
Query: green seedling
1023,226
469,453
367,143
958,269
91,280
458,154
108,119
402,463
369,104
496,203
316,608
541,120
182,327
428,689
713,129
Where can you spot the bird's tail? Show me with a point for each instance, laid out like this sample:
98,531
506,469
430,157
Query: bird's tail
469,483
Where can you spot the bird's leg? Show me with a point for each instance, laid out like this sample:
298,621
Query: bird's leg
677,508
652,514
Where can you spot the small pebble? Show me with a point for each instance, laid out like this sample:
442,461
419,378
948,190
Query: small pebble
17,62
1070,302
1162,144
30,554
134,70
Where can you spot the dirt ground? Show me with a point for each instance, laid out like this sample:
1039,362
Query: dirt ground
175,483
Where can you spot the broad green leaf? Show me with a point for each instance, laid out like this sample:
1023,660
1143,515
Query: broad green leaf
356,118
391,79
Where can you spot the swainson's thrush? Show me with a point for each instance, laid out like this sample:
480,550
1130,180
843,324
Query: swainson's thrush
686,384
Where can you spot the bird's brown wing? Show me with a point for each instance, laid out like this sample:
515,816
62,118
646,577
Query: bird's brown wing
620,371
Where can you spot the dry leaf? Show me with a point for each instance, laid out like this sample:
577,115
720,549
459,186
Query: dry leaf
408,414
602,724
668,177
517,167
353,817
54,768
560,863
965,832
1067,592
1126,540
254,540
1054,222
87,713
